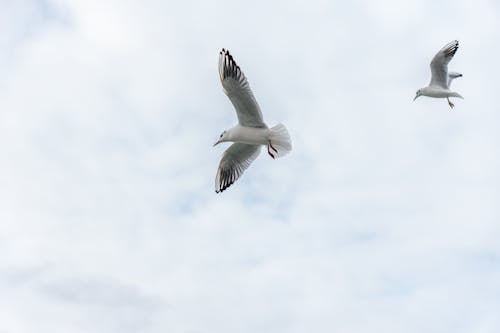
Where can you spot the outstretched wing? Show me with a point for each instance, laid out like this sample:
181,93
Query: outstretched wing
238,90
439,65
236,159
452,76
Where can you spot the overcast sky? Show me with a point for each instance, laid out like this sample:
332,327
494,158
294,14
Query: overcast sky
385,217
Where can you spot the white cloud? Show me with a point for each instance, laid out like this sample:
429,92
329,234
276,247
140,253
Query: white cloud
383,218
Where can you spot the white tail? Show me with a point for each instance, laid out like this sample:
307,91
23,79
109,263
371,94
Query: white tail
280,140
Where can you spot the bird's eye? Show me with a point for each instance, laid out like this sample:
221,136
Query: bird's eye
221,135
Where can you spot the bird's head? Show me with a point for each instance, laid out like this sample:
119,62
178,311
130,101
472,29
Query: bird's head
419,93
222,137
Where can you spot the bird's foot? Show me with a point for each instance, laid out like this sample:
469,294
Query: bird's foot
450,103
269,145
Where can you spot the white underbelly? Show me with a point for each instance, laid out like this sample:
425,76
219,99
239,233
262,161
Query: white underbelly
438,93
252,135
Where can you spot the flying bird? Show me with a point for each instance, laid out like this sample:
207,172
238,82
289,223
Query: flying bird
439,87
251,133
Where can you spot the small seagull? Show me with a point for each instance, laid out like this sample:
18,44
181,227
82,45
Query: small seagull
439,87
250,133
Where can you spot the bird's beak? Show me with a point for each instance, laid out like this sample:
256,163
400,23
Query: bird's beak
415,97
216,143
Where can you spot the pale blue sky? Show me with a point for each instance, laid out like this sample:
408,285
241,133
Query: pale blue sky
384,218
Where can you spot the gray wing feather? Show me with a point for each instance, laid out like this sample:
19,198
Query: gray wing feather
236,159
439,65
452,76
238,90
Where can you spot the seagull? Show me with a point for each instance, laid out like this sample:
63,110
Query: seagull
251,133
439,87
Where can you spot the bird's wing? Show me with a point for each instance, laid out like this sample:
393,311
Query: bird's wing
452,76
238,90
236,159
439,65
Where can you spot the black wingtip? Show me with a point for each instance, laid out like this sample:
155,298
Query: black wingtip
224,52
221,189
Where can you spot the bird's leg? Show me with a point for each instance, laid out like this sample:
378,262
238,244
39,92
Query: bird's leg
270,154
268,151
270,145
450,103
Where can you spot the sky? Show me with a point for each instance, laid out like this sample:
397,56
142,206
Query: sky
383,218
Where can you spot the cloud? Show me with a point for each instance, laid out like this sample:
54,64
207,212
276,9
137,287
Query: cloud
41,298
383,217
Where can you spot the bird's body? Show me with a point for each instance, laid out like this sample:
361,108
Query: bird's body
251,133
439,87
438,92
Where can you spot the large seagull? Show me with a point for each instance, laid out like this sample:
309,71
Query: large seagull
439,87
250,133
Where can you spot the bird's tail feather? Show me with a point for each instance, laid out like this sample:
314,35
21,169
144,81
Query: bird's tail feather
280,140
